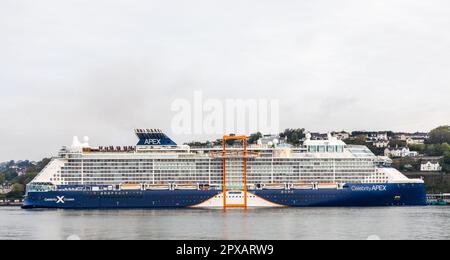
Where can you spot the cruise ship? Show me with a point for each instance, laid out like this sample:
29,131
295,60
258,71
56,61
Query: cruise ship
158,173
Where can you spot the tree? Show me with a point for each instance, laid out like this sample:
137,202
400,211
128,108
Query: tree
361,133
2,178
402,163
437,149
24,179
445,147
377,151
390,134
293,136
10,163
359,140
397,143
38,167
24,164
440,135
445,162
10,175
218,142
17,192
231,142
254,138
199,144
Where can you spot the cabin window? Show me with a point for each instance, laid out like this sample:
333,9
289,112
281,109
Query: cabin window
321,148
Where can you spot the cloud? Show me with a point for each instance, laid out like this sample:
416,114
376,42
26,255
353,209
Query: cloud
101,68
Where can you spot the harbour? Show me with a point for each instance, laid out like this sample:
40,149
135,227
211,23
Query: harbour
11,203
241,124
432,200
386,223
438,199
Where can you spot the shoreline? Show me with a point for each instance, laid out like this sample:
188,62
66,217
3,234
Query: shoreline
11,203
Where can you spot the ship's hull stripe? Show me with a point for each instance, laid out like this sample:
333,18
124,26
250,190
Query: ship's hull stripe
353,195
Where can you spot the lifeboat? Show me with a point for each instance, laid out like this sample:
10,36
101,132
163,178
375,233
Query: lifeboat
157,187
302,186
327,186
273,186
130,186
186,186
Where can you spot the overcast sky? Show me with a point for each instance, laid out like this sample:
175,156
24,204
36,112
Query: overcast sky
103,67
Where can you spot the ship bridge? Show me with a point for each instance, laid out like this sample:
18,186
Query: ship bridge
332,145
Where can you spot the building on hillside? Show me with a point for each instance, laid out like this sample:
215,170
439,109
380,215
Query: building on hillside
5,189
381,144
419,135
430,166
379,136
415,141
399,152
402,136
341,135
319,136
416,137
360,137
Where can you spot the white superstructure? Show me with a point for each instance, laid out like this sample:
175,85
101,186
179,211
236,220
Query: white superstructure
324,161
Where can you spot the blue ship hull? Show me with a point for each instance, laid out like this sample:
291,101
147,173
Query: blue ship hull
352,195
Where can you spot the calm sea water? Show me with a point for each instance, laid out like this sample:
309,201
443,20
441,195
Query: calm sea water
260,224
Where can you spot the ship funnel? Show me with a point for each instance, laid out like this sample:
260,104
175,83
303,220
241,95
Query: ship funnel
85,141
77,144
153,137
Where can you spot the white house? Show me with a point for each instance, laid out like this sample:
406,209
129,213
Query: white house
414,140
399,152
415,137
381,144
407,153
419,135
341,135
392,152
402,136
381,136
430,166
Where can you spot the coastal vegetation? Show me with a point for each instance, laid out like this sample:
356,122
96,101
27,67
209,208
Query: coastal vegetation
437,183
438,145
293,136
17,175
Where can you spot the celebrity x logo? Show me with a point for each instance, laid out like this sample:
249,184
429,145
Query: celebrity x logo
60,199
